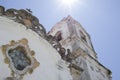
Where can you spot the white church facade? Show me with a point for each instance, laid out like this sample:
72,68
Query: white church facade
27,52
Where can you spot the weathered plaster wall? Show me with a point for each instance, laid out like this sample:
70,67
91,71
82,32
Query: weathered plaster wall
81,56
50,67
71,36
28,53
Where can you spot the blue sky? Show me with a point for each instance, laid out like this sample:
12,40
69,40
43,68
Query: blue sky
100,18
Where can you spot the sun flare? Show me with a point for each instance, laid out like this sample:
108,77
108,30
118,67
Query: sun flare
68,3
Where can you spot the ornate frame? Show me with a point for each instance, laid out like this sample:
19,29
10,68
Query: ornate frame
25,63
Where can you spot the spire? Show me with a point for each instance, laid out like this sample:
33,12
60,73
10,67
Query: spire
68,18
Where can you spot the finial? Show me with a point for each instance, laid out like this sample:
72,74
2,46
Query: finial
29,10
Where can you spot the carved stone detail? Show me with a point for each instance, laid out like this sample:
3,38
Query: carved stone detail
76,71
2,10
26,18
56,44
20,58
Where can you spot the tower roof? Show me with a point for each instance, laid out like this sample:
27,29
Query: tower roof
69,17
70,22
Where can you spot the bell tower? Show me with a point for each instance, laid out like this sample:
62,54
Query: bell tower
73,36
79,51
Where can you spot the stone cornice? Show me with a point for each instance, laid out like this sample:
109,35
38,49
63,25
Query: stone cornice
24,17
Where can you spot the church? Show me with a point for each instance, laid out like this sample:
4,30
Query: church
28,52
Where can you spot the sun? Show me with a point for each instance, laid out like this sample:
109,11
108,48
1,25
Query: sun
67,2
69,6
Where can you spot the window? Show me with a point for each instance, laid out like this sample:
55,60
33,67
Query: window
92,68
58,36
83,37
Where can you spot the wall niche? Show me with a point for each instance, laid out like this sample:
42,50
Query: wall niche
20,58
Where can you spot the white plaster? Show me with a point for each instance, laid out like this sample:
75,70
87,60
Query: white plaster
74,42
45,54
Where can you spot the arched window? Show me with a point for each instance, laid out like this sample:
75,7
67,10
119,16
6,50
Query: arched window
58,36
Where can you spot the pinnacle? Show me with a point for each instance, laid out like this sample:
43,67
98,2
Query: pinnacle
68,18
